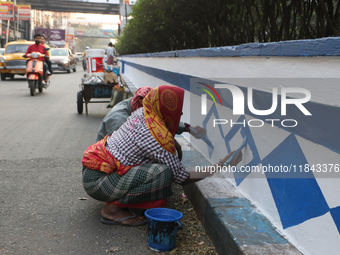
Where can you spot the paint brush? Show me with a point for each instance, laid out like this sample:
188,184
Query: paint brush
244,142
200,136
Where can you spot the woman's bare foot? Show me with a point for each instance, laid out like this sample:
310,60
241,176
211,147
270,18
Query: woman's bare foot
113,212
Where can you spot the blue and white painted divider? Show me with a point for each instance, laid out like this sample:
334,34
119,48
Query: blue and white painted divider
305,210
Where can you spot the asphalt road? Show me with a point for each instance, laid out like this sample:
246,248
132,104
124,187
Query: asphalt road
42,206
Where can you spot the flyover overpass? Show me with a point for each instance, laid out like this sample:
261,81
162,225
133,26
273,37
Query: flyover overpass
82,6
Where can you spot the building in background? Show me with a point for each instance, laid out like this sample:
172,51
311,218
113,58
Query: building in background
93,30
14,22
56,20
62,29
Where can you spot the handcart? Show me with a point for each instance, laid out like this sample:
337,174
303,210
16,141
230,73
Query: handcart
100,91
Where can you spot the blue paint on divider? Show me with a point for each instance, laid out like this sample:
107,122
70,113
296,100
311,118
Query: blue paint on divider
193,158
335,212
244,222
327,46
123,66
297,199
181,80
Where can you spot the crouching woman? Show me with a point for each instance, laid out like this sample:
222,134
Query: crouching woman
135,166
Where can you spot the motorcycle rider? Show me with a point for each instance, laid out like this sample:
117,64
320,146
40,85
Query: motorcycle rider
48,62
37,47
86,48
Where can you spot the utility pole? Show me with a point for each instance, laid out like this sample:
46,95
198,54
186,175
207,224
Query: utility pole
48,32
125,13
48,29
15,27
7,31
119,22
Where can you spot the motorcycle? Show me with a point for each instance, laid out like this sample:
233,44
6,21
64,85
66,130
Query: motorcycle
34,72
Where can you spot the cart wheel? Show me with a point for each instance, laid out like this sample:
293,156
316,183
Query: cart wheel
80,102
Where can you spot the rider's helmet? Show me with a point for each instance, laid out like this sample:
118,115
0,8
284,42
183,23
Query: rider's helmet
87,47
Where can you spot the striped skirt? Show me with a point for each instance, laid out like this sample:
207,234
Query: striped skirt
142,183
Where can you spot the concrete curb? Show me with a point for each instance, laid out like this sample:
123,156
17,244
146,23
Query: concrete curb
232,222
127,83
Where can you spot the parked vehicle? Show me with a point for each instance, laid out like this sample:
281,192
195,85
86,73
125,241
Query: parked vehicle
62,59
12,61
34,72
79,56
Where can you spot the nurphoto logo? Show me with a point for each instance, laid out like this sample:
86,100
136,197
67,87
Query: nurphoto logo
238,106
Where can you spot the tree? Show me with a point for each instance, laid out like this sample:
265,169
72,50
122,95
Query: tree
164,25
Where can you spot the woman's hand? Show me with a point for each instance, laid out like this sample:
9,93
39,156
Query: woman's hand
197,131
237,159
200,175
179,150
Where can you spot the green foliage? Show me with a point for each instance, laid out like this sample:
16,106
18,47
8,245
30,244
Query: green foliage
164,25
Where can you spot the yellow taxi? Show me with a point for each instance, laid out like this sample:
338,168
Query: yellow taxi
12,61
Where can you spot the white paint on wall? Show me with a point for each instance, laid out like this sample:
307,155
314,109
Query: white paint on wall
318,236
317,74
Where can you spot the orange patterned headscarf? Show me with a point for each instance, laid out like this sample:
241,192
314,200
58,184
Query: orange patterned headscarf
97,157
162,112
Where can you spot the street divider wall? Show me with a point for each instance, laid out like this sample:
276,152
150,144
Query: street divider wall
283,98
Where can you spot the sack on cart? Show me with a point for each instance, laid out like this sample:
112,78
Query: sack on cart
110,78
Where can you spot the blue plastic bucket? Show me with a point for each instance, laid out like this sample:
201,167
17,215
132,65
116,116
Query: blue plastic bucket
163,224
